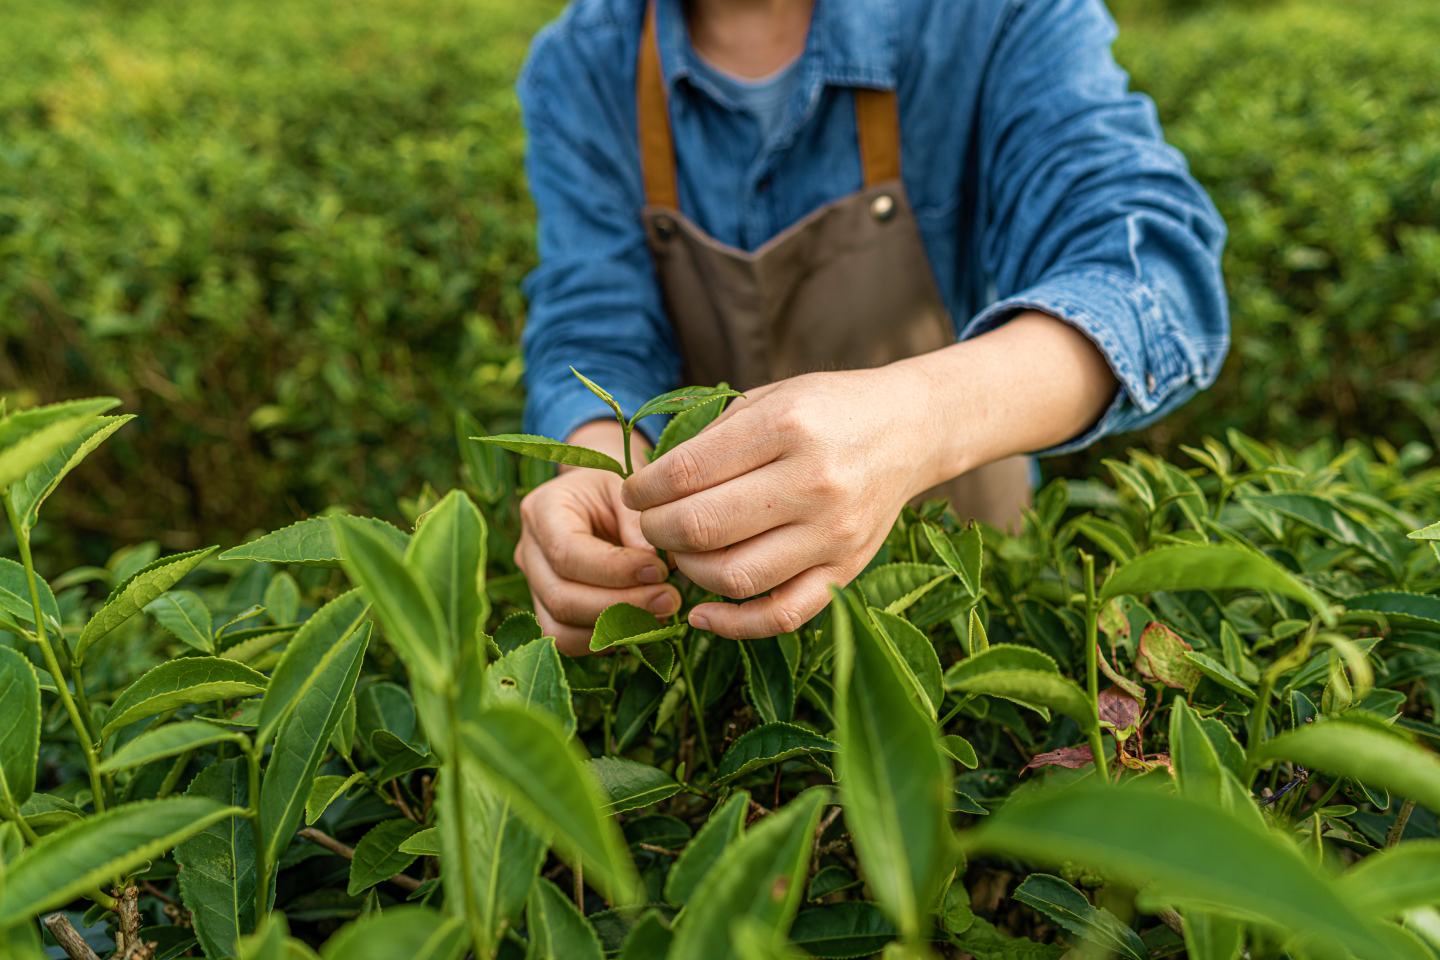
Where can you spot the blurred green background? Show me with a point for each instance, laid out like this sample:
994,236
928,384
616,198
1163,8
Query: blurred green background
291,235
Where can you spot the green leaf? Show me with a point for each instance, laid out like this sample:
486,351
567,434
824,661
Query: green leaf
131,596
30,491
302,740
960,750
1375,757
1183,852
29,438
405,605
724,826
768,679
176,683
600,392
1211,937
531,761
448,553
282,599
1031,687
1068,907
325,791
682,400
424,843
167,740
1328,519
1407,609
685,426
768,744
894,777
624,623
1395,880
217,876
897,583
1001,656
629,785
761,876
962,554
310,651
186,617
1219,673
20,734
406,932
15,595
88,853
557,930
533,675
1160,656
1431,532
553,451
851,928
310,543
1209,568
649,939
272,941
917,652
1193,756
378,856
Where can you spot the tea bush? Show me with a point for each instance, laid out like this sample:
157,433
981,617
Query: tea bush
291,236
1192,708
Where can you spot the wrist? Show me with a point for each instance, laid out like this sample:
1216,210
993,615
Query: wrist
608,437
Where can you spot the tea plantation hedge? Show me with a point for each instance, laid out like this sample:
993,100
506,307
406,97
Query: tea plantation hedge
291,236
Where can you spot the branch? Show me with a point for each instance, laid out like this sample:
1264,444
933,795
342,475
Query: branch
69,938
400,880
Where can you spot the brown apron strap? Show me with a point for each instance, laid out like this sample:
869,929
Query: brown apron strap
657,148
877,119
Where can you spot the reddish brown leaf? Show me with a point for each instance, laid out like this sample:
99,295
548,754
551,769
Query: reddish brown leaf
1120,710
1161,657
1071,758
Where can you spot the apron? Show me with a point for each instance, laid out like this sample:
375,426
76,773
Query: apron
847,287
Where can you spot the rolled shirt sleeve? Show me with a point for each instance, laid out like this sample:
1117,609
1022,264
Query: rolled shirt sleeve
1086,213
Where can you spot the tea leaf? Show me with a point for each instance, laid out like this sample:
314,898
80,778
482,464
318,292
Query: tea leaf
760,876
272,941
1211,937
176,683
20,736
531,761
724,826
217,876
408,931
557,930
167,740
1068,907
378,856
648,939
1160,656
1209,568
624,623
685,426
851,928
1030,687
325,791
28,438
186,617
1395,880
961,554
682,400
917,653
15,595
310,543
1431,532
767,744
316,642
302,739
768,679
131,596
553,451
900,584
533,675
1218,672
1409,609
1001,656
1327,518
87,853
30,491
1192,755
894,777
1182,851
600,392
1349,749
448,552
629,785
282,599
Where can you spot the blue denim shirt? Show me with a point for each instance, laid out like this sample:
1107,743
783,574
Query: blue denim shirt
1038,181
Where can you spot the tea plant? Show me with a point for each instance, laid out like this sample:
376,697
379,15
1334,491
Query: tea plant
1184,711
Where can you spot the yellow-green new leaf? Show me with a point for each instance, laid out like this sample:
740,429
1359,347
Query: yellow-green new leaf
600,392
309,543
167,740
1211,567
1032,687
28,438
89,853
176,683
681,400
543,448
19,729
186,617
408,932
628,625
130,597
447,552
1374,757
1395,880
530,761
895,778
31,490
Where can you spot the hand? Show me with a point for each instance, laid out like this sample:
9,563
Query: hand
792,490
581,550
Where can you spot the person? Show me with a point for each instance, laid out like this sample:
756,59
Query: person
927,238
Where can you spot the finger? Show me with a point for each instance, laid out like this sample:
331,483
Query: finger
730,449
627,522
726,514
579,604
571,641
786,609
740,403
572,550
756,565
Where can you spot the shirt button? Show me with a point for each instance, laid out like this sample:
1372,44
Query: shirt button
1150,382
882,208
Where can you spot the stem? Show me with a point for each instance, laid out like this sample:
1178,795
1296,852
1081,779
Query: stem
1397,829
1092,668
22,540
627,429
172,776
456,785
695,707
1256,730
262,856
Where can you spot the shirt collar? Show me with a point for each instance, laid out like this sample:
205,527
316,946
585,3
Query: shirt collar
852,42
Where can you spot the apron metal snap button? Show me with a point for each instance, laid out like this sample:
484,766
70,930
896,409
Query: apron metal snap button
882,208
664,227
1150,383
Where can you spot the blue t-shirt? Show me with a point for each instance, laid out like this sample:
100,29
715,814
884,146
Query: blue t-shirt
763,99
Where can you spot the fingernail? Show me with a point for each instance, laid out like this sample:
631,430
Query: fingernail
650,575
699,621
664,604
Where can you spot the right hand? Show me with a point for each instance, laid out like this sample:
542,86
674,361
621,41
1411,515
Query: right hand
581,550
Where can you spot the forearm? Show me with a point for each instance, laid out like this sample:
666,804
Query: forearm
1030,384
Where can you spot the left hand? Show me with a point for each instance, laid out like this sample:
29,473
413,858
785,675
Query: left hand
793,489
